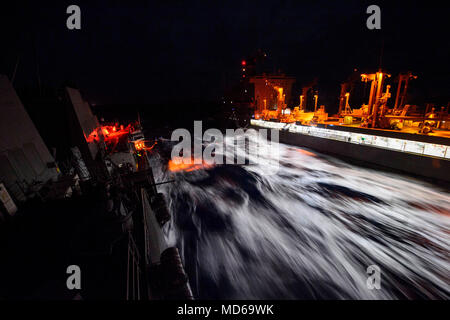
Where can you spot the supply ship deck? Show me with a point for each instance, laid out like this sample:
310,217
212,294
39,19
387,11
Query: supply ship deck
422,155
406,137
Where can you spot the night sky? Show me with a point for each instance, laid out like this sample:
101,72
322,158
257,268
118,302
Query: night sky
174,51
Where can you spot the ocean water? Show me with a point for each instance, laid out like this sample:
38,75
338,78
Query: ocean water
307,228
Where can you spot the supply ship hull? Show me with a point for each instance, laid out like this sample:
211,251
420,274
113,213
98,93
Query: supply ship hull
419,155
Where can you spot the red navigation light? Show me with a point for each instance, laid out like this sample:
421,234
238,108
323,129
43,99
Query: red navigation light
244,62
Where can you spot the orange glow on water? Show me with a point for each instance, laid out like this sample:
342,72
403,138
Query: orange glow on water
180,164
307,153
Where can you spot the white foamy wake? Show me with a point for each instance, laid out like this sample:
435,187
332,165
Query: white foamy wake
309,231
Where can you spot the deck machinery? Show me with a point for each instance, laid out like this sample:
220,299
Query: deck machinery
101,208
400,138
273,93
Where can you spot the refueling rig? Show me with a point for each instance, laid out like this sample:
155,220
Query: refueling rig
270,97
401,138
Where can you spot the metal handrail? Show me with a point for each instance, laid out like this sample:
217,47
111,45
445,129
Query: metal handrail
135,270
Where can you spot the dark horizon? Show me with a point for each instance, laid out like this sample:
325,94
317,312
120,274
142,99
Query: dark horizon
191,52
